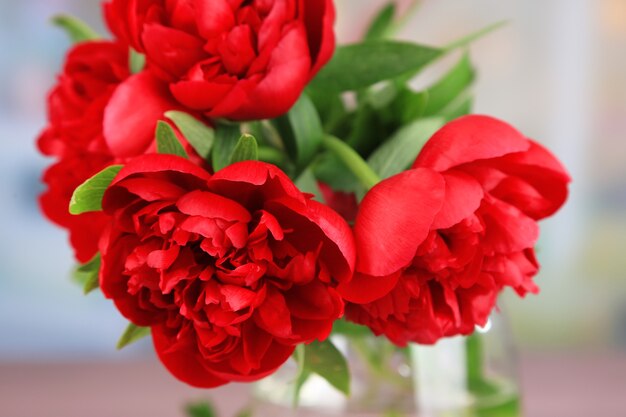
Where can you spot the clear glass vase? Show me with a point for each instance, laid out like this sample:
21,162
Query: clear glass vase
472,376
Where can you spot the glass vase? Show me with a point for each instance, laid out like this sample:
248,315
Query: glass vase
471,376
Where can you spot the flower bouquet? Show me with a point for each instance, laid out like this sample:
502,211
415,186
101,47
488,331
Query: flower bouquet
242,189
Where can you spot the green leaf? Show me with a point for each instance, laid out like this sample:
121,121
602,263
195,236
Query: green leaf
351,329
87,274
408,106
167,142
202,409
88,196
325,360
462,106
382,24
332,171
226,138
400,151
76,29
472,37
307,183
131,335
357,66
246,149
200,136
302,131
137,61
303,374
366,130
451,86
330,107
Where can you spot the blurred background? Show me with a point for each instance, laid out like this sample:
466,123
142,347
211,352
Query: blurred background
557,71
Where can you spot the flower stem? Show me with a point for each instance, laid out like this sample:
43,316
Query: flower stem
352,160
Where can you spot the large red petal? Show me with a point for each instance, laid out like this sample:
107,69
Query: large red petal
161,163
337,231
469,139
463,197
546,177
509,230
184,362
395,218
319,17
209,205
266,179
129,127
364,289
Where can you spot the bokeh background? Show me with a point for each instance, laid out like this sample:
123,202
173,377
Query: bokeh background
557,71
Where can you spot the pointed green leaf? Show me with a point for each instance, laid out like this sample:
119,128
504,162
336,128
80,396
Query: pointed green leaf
247,149
202,409
451,86
137,61
381,26
400,151
472,37
357,66
76,29
167,142
408,106
131,335
198,134
325,360
87,274
351,329
301,130
303,374
462,106
88,196
226,138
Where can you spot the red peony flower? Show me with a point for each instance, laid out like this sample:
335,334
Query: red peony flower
74,136
437,243
94,121
235,59
231,271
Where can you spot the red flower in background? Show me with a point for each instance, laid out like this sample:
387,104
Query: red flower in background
95,119
437,243
231,271
235,59
74,136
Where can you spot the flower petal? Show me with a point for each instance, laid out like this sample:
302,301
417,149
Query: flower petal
469,139
363,289
463,197
395,218
209,205
128,127
184,362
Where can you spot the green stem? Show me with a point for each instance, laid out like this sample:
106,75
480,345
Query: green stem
352,160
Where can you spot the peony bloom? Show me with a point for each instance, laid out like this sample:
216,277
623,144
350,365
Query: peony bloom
235,59
230,271
94,121
74,136
437,243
